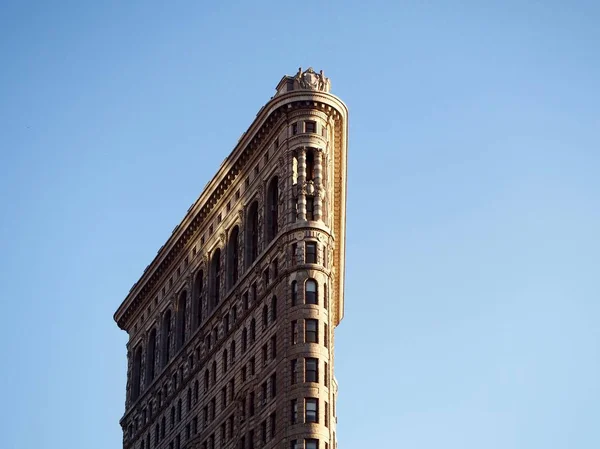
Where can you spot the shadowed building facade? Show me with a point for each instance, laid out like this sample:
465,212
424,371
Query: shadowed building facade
231,326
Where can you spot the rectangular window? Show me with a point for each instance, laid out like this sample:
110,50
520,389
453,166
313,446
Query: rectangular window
243,374
312,370
264,389
310,127
326,414
273,381
311,334
310,254
310,206
312,444
294,410
273,423
266,277
294,371
251,439
294,251
326,376
325,335
294,332
274,347
223,398
294,444
294,129
311,408
252,403
263,432
264,354
252,366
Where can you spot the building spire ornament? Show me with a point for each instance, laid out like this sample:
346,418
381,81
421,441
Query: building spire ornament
311,80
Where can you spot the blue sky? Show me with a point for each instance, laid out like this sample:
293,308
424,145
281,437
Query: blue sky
472,260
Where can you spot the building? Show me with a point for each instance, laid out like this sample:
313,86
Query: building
231,325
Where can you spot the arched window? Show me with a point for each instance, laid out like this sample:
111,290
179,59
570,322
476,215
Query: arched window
273,309
251,234
252,330
233,257
181,318
265,316
225,361
294,293
310,292
244,340
272,208
166,337
215,277
150,357
136,373
197,297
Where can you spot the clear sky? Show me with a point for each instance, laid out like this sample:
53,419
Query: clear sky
472,293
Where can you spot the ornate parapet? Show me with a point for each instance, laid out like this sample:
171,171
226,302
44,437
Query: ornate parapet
304,80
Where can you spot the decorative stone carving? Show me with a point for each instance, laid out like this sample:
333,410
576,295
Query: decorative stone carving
309,79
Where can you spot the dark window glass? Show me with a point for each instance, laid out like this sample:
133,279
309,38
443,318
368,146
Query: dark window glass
312,370
311,331
310,292
311,252
311,407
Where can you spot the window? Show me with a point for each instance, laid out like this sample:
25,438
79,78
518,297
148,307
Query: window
266,277
272,423
310,292
244,340
272,209
251,403
223,398
294,251
325,335
294,332
214,372
310,165
213,408
215,278
166,337
264,354
312,444
137,373
294,409
232,351
252,330
245,300
274,347
326,376
197,303
294,444
294,129
294,371
206,377
311,408
310,127
326,414
196,391
225,361
273,381
244,372
263,432
264,389
310,208
311,252
150,357
251,234
273,309
294,293
311,334
252,366
312,370
265,316
325,297
233,257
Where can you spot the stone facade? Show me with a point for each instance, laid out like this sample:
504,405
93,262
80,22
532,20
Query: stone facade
231,325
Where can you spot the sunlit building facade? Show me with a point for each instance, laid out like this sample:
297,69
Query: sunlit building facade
231,326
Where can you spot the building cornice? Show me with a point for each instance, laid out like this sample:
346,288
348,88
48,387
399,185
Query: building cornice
252,140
